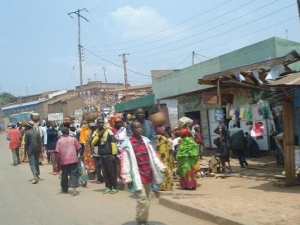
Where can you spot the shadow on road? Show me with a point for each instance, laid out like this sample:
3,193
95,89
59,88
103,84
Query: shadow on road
150,223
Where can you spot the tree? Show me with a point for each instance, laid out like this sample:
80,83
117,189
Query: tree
6,98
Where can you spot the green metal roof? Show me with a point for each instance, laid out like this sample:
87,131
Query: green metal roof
185,80
141,102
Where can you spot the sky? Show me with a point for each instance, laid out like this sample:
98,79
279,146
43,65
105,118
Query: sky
39,40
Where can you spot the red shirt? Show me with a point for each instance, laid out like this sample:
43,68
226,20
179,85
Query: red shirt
142,158
14,136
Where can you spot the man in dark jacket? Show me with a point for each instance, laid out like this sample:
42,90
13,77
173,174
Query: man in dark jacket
33,147
238,144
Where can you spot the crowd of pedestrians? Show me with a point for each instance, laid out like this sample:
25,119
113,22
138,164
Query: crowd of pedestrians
133,150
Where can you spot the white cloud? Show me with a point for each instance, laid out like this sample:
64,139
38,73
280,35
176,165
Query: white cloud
135,23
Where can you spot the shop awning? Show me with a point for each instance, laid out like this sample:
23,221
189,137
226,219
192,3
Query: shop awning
290,80
252,75
141,102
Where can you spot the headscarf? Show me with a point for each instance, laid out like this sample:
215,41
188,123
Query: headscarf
160,130
185,131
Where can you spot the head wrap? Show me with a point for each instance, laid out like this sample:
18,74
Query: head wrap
160,130
185,131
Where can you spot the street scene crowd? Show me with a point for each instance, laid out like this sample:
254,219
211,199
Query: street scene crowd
145,158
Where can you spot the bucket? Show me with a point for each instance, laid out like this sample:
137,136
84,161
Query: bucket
297,156
92,176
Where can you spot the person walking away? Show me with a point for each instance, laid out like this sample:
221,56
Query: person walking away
14,137
67,148
140,166
238,144
252,146
164,150
33,147
52,138
187,160
105,140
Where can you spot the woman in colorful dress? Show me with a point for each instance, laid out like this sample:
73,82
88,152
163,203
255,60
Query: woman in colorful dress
87,153
164,150
187,160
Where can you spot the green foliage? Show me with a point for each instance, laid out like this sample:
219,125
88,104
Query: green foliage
6,98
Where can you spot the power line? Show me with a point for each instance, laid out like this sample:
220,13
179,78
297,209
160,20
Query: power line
115,63
113,10
176,25
208,38
183,31
219,25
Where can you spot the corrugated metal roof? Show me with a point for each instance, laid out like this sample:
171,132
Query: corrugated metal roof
23,104
292,79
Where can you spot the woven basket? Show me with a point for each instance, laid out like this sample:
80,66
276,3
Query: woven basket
23,123
90,116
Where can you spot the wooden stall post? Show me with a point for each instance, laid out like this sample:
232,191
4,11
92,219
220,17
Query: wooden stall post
288,142
219,91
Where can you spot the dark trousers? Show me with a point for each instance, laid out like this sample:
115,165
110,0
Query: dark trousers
34,165
109,170
98,168
72,171
241,156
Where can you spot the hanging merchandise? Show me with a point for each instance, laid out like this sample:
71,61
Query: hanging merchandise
265,111
242,113
228,106
257,130
237,114
231,112
248,113
233,118
259,107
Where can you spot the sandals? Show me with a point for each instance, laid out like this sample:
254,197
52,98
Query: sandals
74,193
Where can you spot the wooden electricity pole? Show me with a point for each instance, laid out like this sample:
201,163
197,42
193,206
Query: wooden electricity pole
105,91
125,75
79,42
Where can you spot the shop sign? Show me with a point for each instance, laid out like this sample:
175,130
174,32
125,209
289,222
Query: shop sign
219,115
191,103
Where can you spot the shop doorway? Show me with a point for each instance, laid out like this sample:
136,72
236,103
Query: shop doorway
195,116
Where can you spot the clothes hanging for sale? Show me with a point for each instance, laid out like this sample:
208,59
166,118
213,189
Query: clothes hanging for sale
257,130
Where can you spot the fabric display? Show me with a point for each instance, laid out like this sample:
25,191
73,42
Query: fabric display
257,130
248,113
265,111
242,113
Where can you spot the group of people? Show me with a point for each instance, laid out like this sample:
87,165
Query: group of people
135,151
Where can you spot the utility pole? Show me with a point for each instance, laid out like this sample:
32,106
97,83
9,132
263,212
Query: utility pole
125,75
193,58
105,94
1,115
79,41
26,91
298,3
